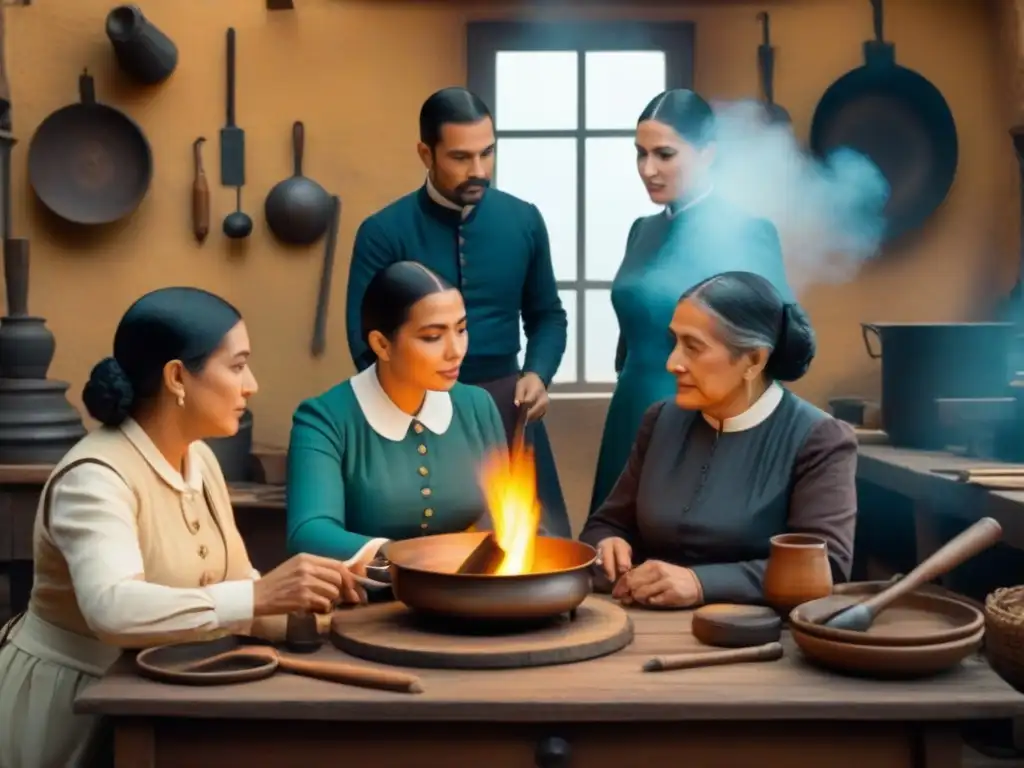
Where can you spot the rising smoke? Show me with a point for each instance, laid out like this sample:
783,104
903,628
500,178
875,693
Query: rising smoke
829,213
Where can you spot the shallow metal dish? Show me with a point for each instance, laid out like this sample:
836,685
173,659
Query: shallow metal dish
423,576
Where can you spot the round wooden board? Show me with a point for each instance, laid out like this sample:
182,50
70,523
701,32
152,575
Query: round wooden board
391,634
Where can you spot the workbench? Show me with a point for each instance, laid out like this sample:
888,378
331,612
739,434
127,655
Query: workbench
606,712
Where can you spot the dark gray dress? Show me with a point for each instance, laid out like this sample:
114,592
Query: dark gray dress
709,499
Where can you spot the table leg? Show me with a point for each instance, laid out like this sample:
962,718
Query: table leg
938,747
135,744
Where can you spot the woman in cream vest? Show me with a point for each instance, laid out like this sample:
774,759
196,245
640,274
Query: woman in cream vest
135,542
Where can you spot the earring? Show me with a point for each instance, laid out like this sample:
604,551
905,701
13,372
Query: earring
181,401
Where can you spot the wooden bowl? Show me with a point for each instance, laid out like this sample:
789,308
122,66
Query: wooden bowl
736,626
886,661
920,618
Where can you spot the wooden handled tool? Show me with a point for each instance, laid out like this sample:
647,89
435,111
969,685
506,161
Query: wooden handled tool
766,652
333,671
980,536
969,475
200,194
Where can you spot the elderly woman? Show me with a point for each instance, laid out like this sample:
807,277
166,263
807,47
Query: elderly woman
733,461
135,539
393,452
697,235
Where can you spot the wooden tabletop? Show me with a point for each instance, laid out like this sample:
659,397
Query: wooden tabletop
608,689
911,473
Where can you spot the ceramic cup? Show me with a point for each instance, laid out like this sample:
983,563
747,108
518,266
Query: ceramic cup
798,570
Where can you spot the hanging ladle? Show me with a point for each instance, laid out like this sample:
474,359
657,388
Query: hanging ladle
238,224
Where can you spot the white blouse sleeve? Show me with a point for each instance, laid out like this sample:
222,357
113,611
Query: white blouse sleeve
92,523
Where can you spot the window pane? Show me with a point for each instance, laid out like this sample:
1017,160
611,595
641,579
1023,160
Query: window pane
619,84
536,90
601,337
543,172
567,370
615,197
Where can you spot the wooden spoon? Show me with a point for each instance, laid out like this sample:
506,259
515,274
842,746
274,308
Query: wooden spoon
766,652
980,536
333,671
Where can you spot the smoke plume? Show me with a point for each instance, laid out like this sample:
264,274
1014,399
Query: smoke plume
829,213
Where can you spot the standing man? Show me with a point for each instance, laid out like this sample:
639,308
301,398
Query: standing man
494,248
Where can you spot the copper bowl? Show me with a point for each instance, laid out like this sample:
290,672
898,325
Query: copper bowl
423,576
919,618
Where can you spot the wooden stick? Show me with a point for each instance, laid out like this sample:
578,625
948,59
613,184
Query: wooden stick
485,558
766,652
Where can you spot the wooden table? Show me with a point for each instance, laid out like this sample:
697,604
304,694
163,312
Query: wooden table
783,714
261,523
909,473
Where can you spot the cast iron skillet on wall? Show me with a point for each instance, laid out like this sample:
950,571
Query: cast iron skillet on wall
899,120
90,163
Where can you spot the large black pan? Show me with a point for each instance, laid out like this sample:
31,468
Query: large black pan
90,163
899,120
423,576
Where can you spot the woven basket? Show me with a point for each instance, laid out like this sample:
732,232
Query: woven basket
1004,634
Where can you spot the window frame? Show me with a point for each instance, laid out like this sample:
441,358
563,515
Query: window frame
486,38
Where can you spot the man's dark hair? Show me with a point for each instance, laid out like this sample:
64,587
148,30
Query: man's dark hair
449,105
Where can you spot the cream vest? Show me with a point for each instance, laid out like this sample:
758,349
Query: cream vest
185,542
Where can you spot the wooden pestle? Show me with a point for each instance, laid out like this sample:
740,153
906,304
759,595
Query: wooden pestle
980,536
336,672
766,652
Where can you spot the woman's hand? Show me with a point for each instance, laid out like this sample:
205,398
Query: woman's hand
305,583
616,557
659,585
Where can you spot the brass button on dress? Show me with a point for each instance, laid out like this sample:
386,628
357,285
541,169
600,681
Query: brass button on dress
194,526
428,512
421,449
426,493
204,551
423,471
417,428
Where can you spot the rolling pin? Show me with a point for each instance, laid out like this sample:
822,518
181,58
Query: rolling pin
200,194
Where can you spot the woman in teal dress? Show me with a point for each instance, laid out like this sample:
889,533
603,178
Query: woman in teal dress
698,235
393,452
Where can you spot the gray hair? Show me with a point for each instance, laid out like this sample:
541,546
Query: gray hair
738,340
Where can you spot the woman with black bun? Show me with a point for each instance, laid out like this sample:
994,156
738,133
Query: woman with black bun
697,235
135,542
395,451
734,460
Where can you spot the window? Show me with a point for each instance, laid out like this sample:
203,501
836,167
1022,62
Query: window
565,98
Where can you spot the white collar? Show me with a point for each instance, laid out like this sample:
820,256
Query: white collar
699,198
390,421
762,408
190,482
443,201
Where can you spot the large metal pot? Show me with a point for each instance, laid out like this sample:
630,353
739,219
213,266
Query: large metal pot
423,576
924,362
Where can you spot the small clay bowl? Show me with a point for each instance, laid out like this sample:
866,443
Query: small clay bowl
886,661
736,626
916,619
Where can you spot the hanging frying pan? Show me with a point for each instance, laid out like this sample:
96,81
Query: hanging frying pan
901,122
90,163
776,113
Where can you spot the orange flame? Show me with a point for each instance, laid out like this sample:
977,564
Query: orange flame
510,489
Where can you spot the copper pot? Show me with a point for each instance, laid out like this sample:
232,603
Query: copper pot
798,570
